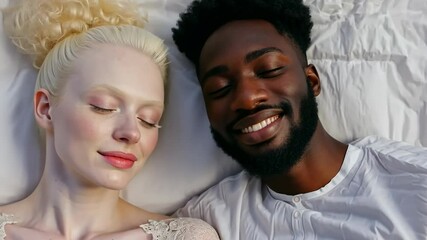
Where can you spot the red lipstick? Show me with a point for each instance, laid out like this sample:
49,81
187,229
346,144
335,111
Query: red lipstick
119,160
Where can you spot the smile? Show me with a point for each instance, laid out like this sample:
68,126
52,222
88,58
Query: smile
260,125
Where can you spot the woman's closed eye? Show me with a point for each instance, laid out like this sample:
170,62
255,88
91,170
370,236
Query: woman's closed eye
144,123
102,109
148,124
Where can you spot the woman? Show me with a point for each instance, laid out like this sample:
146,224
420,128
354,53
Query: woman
98,101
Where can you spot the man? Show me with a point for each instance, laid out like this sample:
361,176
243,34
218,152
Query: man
299,182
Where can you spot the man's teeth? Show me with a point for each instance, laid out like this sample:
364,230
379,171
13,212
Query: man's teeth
260,125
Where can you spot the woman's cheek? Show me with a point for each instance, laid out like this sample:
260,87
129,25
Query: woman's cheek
150,142
87,127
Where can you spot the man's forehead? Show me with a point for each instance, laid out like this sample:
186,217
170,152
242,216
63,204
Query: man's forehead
242,37
243,30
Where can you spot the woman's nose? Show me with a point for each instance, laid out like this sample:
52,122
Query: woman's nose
127,130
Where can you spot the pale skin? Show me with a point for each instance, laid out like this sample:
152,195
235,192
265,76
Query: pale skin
78,194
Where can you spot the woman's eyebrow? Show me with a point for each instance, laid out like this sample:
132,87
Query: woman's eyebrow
116,92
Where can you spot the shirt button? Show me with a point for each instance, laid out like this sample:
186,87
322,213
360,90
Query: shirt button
297,214
297,199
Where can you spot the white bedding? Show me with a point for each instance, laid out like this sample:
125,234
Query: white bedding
371,56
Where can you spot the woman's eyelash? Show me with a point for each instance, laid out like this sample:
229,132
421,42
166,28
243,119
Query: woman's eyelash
151,125
109,110
102,110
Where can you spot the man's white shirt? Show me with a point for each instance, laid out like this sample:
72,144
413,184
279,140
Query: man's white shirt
380,192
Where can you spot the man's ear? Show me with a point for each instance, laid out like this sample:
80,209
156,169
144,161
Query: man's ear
313,78
42,108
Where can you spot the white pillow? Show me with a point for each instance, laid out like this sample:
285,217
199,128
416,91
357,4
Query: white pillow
370,56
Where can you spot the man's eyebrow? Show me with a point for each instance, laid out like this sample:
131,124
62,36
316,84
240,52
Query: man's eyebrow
214,71
258,53
248,58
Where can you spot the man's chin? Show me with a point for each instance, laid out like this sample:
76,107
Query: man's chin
259,160
257,150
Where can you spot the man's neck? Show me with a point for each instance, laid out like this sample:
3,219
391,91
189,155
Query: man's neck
320,163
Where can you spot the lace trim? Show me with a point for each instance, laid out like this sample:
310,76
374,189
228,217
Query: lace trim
180,229
5,219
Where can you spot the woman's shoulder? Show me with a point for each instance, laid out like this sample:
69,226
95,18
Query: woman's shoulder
180,228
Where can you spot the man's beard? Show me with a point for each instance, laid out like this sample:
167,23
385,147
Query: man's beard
283,158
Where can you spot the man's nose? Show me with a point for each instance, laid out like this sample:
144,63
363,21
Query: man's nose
248,94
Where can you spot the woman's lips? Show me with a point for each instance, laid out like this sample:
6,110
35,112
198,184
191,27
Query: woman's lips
119,160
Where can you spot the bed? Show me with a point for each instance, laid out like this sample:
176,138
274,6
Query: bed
371,56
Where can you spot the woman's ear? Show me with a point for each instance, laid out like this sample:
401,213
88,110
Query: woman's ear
313,78
42,106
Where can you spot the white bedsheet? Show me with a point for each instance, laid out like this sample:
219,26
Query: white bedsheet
371,56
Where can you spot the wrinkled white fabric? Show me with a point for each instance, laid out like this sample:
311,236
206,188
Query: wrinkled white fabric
380,192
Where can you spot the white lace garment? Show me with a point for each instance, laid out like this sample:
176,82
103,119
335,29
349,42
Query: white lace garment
5,219
180,229
170,229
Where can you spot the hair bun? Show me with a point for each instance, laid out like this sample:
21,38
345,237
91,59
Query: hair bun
36,26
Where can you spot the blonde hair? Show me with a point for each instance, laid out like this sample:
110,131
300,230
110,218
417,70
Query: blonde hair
54,32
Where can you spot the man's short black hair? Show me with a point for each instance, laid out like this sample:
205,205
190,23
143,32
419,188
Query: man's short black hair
290,17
